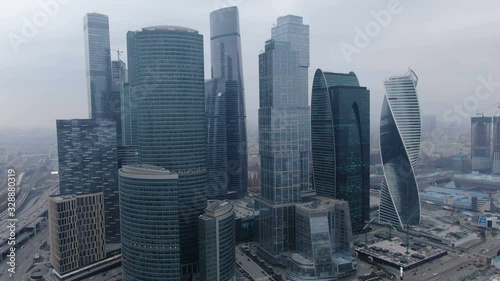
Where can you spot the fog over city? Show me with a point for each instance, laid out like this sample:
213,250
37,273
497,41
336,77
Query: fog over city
453,46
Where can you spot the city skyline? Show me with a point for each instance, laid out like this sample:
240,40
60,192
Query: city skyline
206,154
67,98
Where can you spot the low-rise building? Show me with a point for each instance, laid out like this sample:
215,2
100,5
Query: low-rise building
76,231
324,248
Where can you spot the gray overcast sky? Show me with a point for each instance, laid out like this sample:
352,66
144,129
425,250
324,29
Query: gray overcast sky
449,44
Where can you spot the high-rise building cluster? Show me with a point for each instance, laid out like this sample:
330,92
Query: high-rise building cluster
485,144
156,167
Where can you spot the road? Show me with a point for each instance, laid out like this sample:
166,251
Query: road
24,256
253,269
33,210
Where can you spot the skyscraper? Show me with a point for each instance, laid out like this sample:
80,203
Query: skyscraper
227,152
324,247
481,144
167,72
88,163
98,63
217,242
340,133
76,231
149,209
284,134
400,134
496,144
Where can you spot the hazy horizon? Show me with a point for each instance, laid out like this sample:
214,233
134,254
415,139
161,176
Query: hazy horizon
451,47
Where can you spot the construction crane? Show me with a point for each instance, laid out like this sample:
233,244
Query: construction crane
391,227
367,226
118,52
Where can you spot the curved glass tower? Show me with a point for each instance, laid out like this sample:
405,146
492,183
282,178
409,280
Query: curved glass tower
149,223
217,242
227,152
399,148
167,72
340,135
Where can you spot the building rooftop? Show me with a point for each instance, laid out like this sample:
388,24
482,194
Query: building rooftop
170,28
218,208
479,177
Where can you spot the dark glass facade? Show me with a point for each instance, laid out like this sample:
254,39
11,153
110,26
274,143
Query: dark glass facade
496,145
481,144
217,173
226,108
88,163
149,209
166,71
340,133
98,63
217,242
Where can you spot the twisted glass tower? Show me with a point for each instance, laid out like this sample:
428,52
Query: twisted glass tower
227,138
400,131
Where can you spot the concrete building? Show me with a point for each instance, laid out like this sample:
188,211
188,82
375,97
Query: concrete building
76,231
88,163
324,248
217,242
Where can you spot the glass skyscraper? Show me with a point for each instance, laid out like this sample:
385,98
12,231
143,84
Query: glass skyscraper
481,144
324,248
340,133
284,134
496,145
149,209
98,64
400,134
166,71
87,155
217,242
227,151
